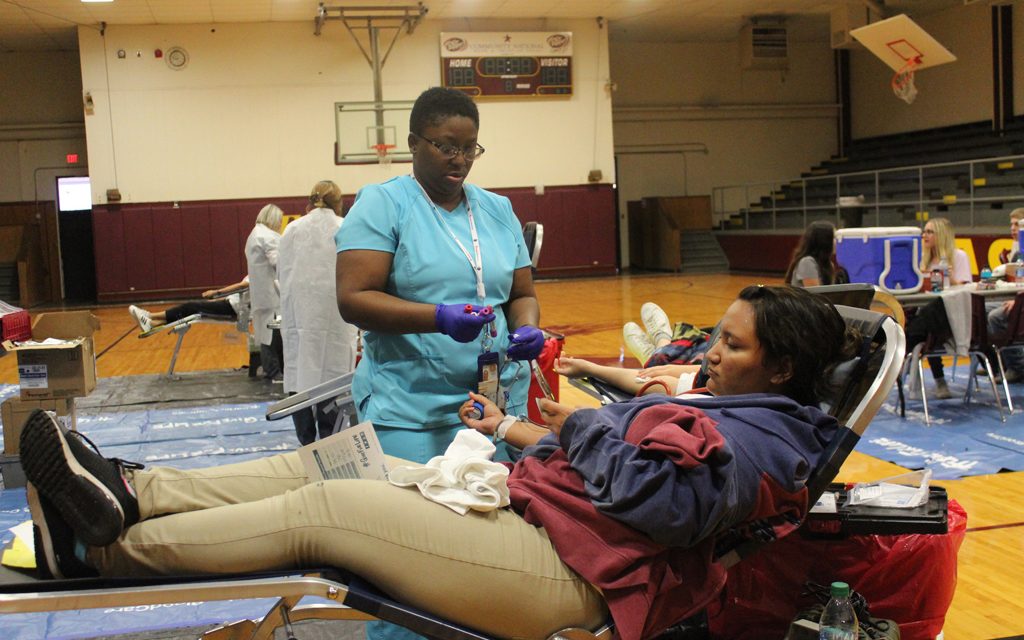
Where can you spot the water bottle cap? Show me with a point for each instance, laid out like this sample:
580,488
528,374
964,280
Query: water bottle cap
840,590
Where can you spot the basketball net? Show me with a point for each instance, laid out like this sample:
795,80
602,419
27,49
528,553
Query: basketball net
903,81
383,157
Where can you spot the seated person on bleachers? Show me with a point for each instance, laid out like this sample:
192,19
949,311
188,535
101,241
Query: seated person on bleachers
613,509
999,312
226,308
660,342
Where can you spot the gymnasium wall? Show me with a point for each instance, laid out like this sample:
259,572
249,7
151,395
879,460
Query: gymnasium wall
949,94
40,123
755,124
252,114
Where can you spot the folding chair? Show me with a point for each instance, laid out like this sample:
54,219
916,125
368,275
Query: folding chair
1012,340
977,353
862,385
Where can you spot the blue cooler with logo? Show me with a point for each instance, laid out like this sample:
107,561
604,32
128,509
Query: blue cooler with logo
883,256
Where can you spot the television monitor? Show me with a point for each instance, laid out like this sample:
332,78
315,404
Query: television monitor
74,193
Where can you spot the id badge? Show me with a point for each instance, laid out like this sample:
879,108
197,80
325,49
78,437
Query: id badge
487,375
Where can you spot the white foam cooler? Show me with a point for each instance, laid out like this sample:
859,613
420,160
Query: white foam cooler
883,256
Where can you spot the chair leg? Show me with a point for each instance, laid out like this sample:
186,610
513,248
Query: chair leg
982,358
924,397
1002,376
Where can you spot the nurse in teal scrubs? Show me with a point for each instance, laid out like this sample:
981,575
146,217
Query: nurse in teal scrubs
412,254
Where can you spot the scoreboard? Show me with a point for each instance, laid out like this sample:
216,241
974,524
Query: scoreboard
497,64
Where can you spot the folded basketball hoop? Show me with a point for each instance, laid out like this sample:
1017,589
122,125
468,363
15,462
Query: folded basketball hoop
907,48
383,154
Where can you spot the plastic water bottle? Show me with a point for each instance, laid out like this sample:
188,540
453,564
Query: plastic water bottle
944,268
838,620
986,279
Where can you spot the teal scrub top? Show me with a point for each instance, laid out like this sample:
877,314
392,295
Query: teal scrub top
419,380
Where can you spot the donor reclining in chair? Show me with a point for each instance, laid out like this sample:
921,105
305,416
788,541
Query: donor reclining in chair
615,509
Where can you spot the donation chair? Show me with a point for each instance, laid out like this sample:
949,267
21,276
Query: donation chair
182,326
862,385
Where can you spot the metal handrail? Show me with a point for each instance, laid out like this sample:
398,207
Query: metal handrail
722,195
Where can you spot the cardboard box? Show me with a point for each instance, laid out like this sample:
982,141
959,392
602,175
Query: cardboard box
15,411
11,472
65,370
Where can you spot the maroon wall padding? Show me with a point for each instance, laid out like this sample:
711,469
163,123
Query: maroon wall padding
138,250
197,261
159,250
108,244
759,253
167,251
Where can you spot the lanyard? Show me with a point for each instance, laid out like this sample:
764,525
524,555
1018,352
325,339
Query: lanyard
478,264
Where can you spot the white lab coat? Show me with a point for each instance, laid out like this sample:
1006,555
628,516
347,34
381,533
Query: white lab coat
318,344
261,249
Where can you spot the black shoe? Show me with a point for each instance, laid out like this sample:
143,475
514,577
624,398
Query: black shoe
54,541
90,491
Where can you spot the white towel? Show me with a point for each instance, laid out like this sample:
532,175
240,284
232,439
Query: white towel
463,478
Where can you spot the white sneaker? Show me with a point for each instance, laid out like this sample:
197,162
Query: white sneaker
637,341
141,317
656,321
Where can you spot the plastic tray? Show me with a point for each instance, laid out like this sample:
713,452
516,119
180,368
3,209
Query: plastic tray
930,517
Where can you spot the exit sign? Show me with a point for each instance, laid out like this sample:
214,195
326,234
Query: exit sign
72,158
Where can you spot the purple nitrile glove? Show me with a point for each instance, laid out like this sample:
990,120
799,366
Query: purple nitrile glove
525,343
462,322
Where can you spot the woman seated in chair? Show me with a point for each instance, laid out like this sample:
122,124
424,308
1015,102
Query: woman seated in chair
613,509
938,246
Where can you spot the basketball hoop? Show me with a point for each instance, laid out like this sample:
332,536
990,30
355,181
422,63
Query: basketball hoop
903,80
383,155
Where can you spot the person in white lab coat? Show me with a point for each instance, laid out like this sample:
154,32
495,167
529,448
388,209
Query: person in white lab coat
318,344
261,249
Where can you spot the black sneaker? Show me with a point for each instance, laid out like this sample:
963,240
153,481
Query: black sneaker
90,491
54,541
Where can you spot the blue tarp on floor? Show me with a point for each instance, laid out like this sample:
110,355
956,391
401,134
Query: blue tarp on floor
183,438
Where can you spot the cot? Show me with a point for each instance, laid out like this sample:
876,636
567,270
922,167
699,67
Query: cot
862,388
182,326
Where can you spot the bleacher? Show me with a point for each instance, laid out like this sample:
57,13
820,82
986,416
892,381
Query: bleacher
967,173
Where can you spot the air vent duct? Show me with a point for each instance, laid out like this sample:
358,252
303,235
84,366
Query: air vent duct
764,44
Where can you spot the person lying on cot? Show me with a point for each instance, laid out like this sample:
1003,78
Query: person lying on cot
226,308
612,510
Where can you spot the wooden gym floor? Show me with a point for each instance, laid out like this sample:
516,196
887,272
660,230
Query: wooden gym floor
590,313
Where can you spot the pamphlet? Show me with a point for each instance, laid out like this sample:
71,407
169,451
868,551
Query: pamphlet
351,454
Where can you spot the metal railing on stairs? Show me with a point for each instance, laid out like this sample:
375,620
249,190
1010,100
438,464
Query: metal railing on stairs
973,193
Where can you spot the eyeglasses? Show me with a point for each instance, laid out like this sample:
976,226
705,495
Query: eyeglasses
450,151
928,232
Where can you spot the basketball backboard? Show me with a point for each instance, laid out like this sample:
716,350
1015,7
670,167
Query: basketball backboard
899,40
362,127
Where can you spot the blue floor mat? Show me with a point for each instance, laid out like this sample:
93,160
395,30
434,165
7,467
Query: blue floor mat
183,438
963,439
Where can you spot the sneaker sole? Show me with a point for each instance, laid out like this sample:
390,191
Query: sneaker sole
53,469
42,536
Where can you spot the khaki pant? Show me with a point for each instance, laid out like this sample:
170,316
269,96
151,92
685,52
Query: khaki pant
494,571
